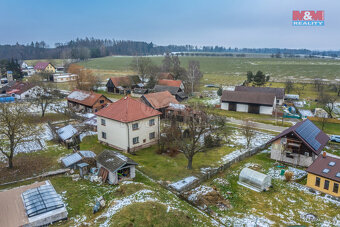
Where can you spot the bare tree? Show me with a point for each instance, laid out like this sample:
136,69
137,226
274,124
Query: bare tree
300,89
194,74
85,80
247,131
15,129
46,97
327,102
317,83
143,66
324,120
289,86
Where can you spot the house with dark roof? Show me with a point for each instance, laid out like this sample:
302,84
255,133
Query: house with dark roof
24,90
177,92
279,92
299,145
128,125
248,102
159,100
165,76
324,175
86,101
44,67
115,167
123,84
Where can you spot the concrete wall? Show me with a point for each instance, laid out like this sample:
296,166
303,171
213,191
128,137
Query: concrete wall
311,179
120,135
278,153
225,106
242,107
266,110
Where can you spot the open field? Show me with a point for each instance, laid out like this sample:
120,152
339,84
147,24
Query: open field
227,71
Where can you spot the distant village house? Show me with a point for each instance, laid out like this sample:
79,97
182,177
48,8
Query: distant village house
159,100
44,67
123,84
86,101
279,92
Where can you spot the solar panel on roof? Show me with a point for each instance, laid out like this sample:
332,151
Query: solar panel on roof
308,131
41,200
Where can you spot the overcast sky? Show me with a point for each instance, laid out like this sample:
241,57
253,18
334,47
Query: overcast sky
229,23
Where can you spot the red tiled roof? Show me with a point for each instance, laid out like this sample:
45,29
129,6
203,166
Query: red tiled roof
121,81
41,65
127,109
87,98
167,76
171,83
160,99
322,163
20,87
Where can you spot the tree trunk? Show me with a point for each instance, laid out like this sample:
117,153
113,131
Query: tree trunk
189,163
10,162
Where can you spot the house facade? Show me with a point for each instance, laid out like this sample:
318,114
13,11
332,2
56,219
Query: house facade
324,175
115,167
279,92
298,145
64,77
44,67
128,125
86,101
248,102
25,90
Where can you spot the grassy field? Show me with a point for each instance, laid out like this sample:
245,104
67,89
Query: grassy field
283,204
55,62
162,166
227,71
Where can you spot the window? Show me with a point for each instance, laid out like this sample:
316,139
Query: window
152,122
104,135
135,140
338,174
101,101
331,164
326,186
152,135
135,126
103,122
336,188
317,182
325,171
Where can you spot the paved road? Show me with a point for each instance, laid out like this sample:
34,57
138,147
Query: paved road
259,125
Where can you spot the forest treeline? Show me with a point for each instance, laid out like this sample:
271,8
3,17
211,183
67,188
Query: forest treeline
83,49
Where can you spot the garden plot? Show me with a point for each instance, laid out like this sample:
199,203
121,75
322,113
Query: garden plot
287,203
57,107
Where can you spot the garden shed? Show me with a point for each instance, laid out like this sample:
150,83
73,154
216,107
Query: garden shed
254,180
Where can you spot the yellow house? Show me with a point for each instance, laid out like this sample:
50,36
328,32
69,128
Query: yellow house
324,175
45,67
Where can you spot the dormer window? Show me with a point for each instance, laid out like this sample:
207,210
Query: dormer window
325,171
331,164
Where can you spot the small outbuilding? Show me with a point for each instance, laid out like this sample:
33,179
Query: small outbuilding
72,160
115,167
254,180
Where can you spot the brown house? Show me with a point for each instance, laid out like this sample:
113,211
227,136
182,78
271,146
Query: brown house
159,100
123,84
299,145
87,101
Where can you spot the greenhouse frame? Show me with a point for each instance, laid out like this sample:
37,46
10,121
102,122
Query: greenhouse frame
254,180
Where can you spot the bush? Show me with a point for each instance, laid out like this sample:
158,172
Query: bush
289,175
211,142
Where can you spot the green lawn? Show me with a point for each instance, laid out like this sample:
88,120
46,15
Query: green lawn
282,204
224,70
164,167
329,128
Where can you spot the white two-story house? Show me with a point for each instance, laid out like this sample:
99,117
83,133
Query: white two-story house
128,125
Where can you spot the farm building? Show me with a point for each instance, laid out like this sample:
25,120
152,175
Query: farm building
138,92
115,167
175,91
123,84
86,101
128,125
68,135
24,90
249,102
254,180
72,160
37,204
159,100
324,175
64,77
299,145
44,67
171,83
279,92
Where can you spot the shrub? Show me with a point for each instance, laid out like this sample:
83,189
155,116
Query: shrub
289,175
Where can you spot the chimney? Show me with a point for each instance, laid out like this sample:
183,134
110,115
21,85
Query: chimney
324,154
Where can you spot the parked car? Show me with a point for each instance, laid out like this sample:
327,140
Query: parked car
335,138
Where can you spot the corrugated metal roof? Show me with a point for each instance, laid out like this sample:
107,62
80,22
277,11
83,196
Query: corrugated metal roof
71,159
67,132
87,154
